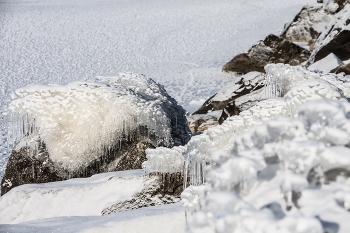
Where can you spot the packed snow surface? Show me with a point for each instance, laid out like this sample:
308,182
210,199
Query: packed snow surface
74,197
181,44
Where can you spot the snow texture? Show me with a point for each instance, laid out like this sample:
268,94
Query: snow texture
81,120
316,141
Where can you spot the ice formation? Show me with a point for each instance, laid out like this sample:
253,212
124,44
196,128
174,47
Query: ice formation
297,84
302,150
82,120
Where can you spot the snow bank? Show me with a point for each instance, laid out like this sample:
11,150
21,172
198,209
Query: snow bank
75,197
81,120
305,147
327,64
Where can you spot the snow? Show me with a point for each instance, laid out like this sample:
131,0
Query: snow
74,197
327,64
235,199
158,219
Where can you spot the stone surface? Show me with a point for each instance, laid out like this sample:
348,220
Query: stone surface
242,103
307,24
344,68
335,39
164,188
242,86
272,49
201,122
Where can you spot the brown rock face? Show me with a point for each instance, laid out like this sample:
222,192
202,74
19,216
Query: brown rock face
342,69
25,166
272,49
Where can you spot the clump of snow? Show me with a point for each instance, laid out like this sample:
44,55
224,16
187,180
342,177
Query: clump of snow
327,64
80,120
316,140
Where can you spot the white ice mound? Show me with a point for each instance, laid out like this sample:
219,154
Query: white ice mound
251,187
81,120
295,85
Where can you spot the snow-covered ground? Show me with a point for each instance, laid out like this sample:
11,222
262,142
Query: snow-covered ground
181,44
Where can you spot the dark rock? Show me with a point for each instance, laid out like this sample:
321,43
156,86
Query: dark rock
244,85
335,39
159,189
272,49
242,103
342,69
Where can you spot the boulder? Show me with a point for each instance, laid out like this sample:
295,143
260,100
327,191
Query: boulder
86,128
202,122
272,49
307,24
342,69
243,85
335,39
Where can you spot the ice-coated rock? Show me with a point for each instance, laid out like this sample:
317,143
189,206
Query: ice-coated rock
311,21
84,128
241,86
272,49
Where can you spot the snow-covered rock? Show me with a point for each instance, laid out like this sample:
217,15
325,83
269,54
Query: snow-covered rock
327,64
309,23
84,128
272,49
242,86
335,38
201,122
342,69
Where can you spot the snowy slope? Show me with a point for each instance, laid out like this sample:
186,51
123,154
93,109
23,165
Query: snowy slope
75,197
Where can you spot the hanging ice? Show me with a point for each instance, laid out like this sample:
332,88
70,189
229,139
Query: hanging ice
81,120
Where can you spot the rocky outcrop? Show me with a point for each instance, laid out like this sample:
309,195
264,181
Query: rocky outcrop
159,189
309,23
242,86
342,69
335,39
242,103
272,49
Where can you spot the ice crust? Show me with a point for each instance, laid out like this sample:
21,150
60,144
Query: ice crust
82,120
